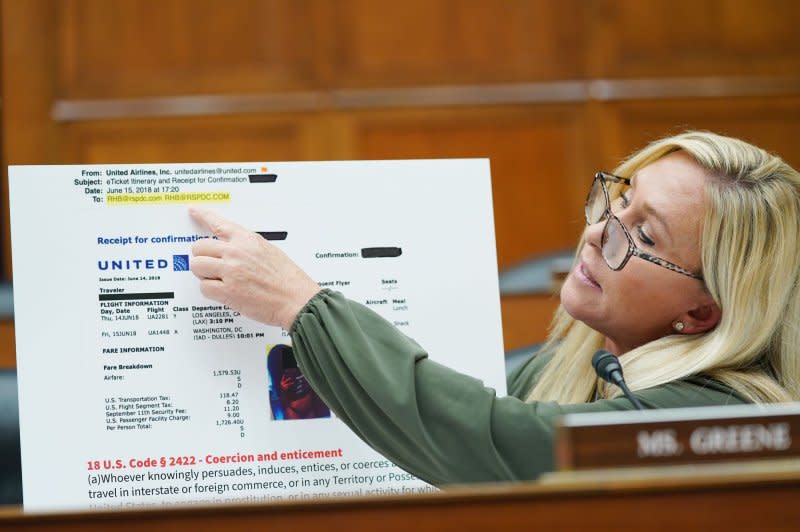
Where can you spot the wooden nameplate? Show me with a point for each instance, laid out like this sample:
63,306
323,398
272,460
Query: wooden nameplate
677,436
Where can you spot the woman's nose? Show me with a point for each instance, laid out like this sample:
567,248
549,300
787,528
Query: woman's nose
594,233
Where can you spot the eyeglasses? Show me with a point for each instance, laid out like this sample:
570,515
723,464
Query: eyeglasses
617,245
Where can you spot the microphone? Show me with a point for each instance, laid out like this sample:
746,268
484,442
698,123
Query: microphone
608,368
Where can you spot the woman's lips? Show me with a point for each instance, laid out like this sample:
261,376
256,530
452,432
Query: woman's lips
583,276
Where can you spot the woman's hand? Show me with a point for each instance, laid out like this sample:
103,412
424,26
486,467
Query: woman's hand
245,272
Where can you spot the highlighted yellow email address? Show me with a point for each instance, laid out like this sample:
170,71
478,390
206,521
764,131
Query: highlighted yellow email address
175,197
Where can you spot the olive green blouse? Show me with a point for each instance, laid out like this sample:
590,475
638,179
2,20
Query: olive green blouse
441,425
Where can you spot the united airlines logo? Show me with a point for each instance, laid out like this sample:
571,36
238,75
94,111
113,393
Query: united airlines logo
180,263
132,264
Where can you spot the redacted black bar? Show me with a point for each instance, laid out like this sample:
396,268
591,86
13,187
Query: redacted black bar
273,235
263,178
139,296
372,253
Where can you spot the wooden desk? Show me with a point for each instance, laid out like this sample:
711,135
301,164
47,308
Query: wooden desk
760,496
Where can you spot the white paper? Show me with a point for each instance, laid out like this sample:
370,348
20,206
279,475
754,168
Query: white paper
136,390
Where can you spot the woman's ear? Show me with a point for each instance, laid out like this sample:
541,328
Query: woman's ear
700,319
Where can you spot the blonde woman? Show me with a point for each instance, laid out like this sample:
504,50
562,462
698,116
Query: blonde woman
687,271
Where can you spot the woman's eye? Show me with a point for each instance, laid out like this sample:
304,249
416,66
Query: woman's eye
620,203
644,238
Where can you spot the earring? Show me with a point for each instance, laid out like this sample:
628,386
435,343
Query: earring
679,326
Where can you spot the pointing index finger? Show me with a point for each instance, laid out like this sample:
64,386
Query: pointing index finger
219,226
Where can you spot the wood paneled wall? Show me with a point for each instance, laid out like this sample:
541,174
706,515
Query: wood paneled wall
550,90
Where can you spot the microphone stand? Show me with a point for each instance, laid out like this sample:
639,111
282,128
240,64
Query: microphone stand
608,368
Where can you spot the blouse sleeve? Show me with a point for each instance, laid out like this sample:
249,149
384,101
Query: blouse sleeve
440,425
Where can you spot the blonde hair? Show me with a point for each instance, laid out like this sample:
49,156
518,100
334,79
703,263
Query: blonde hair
750,251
